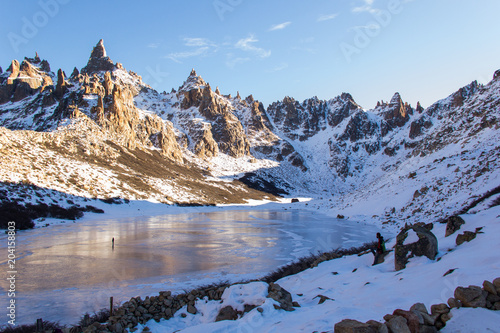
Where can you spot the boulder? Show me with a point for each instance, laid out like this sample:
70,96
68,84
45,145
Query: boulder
353,326
467,236
439,309
227,313
453,224
427,245
276,292
496,283
428,329
421,311
454,303
412,319
191,309
472,296
490,287
398,324
379,327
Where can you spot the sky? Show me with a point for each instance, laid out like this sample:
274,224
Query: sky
423,49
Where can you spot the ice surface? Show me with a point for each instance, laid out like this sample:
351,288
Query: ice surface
68,263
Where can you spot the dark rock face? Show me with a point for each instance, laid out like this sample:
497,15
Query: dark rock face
359,127
427,245
291,115
300,121
98,61
417,127
458,98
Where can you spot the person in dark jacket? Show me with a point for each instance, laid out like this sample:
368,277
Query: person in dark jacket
379,250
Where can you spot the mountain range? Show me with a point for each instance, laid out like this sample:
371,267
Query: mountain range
103,133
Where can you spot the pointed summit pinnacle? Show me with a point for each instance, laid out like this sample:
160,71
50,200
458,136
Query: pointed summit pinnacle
193,73
99,51
98,61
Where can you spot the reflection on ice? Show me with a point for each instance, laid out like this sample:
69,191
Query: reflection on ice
69,263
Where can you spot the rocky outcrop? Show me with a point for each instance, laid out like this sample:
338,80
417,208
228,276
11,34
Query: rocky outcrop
426,245
359,127
203,143
25,79
395,114
453,223
226,129
467,236
99,61
459,97
417,127
280,295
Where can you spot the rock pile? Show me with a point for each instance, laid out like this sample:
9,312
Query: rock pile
165,305
419,320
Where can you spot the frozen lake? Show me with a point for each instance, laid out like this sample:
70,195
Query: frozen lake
69,269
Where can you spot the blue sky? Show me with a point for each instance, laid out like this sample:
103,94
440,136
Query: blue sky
424,49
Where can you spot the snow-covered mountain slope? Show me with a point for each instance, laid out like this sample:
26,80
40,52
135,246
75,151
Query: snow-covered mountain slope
395,162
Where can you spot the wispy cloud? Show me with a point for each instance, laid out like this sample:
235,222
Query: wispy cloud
198,47
198,42
280,26
366,7
246,44
177,56
371,26
280,67
232,60
153,45
245,49
327,17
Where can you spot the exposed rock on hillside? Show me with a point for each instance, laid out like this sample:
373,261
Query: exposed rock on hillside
314,147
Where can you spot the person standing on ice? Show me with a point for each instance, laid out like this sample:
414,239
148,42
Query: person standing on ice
380,249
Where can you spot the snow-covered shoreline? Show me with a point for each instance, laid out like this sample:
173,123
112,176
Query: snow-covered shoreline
358,290
363,292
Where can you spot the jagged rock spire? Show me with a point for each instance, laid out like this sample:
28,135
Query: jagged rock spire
98,61
396,99
419,108
99,51
194,81
61,85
